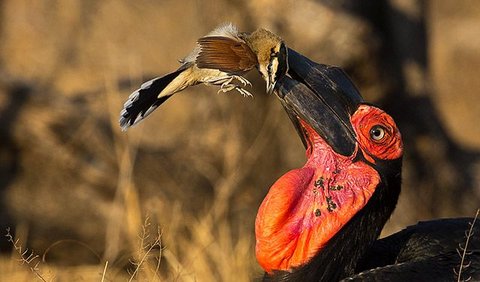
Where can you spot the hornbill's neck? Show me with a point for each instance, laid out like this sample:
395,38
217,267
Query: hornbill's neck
317,222
339,257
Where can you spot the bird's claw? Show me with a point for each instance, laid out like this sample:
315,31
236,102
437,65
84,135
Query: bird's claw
244,92
226,84
242,80
229,87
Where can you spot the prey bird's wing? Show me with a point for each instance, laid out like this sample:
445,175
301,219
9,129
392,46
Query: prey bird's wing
225,54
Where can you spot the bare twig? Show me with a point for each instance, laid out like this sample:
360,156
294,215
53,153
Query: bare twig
159,259
44,256
27,256
464,250
145,249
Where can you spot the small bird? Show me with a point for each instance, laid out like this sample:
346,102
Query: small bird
219,58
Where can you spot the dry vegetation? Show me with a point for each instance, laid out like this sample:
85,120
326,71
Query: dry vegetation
175,198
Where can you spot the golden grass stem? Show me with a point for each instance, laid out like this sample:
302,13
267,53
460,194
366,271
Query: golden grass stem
104,271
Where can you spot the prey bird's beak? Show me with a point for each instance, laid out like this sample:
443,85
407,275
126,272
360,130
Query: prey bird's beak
322,96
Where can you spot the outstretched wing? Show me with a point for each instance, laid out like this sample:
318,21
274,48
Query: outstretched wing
225,54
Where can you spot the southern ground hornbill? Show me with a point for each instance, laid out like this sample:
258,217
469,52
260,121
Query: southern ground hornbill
321,222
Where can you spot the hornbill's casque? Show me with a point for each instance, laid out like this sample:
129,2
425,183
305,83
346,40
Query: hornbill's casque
321,222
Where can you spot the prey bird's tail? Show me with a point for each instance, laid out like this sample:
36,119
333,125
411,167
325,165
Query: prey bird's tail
143,101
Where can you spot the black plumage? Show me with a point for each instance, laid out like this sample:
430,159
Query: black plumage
428,251
146,99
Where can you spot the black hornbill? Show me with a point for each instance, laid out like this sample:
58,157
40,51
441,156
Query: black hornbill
321,222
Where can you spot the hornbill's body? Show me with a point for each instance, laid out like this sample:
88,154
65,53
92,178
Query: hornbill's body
321,222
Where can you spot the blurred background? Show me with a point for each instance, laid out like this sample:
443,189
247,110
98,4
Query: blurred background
175,198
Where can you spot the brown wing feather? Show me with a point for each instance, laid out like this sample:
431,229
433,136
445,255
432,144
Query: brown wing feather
225,54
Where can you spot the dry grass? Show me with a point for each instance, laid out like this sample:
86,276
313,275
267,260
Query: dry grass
26,256
197,248
205,259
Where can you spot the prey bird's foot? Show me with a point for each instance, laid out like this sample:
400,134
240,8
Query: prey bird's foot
224,88
242,80
244,92
230,87
226,84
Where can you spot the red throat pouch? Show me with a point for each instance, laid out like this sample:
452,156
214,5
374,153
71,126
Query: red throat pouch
306,207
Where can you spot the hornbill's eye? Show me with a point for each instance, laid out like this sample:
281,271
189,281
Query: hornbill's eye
377,133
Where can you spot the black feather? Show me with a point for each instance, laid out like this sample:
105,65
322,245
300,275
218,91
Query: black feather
143,101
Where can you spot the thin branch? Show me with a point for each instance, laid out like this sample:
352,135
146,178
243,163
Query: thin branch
44,256
159,236
26,256
464,254
147,249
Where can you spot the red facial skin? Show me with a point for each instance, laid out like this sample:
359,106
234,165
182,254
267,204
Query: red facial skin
390,147
306,207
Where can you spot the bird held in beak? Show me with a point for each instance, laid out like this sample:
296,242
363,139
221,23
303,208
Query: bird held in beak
220,58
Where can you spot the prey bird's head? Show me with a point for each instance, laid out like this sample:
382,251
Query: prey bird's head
354,153
238,53
272,55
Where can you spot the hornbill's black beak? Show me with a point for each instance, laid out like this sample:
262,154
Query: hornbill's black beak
322,96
